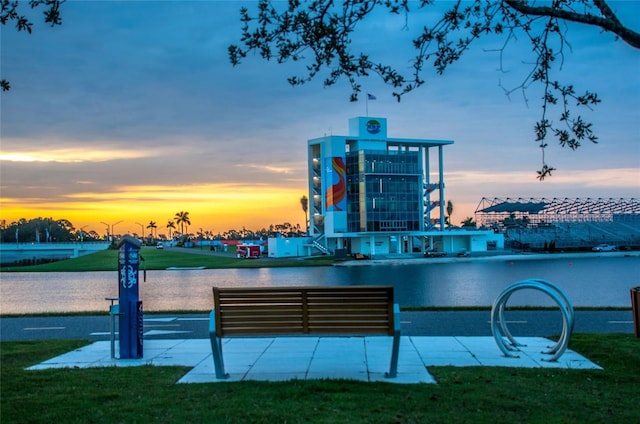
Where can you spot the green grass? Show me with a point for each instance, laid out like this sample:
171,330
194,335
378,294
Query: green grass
471,394
154,259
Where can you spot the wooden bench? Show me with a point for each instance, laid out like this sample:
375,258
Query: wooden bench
303,311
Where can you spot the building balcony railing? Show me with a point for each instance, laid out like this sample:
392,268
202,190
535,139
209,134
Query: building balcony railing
429,206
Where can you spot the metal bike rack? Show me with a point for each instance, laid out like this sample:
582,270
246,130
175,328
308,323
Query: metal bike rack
499,326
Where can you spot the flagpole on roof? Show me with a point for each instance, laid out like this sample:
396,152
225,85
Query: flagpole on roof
369,97
367,107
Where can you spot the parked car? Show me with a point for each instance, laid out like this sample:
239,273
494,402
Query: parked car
434,254
159,245
605,248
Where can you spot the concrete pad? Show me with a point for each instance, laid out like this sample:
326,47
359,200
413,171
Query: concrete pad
304,358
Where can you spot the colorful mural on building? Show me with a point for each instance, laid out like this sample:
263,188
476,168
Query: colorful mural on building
335,196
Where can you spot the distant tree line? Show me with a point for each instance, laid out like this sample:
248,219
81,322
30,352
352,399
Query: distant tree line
44,230
285,229
275,230
49,230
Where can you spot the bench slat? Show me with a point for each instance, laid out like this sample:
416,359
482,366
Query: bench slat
304,310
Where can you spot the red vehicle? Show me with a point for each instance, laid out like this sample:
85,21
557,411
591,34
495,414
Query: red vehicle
248,251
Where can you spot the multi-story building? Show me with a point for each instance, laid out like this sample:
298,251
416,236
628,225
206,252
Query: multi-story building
372,194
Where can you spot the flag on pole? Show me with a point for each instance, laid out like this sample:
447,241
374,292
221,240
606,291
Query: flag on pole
369,97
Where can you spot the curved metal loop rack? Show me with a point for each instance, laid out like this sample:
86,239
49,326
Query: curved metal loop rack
503,337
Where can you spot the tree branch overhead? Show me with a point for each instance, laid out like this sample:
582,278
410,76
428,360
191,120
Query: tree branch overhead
318,33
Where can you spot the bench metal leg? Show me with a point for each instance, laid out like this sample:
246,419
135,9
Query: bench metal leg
216,348
393,366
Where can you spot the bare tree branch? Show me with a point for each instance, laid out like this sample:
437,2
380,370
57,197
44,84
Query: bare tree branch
608,22
323,28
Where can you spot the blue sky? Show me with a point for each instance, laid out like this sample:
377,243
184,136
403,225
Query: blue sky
136,104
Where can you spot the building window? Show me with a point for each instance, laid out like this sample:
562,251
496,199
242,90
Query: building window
384,191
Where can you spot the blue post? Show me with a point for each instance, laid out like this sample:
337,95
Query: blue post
130,306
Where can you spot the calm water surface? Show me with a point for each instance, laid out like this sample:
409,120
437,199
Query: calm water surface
593,281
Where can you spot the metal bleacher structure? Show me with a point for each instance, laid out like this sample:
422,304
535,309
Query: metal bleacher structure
572,224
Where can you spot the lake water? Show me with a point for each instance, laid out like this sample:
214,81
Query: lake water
595,281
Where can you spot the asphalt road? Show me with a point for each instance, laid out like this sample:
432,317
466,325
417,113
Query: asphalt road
430,323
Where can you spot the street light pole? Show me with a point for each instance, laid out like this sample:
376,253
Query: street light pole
141,226
112,227
82,235
102,222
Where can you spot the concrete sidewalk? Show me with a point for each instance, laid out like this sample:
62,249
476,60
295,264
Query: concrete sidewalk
355,358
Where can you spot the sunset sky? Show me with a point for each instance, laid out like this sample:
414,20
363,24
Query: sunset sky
131,111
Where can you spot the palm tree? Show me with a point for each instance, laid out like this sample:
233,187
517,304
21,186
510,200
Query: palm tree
449,210
152,225
181,219
468,222
304,202
170,225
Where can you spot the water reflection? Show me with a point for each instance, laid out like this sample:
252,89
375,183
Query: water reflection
587,282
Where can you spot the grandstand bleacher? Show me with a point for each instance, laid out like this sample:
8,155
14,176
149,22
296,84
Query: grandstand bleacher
568,224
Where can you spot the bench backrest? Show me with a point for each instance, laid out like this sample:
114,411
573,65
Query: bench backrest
303,310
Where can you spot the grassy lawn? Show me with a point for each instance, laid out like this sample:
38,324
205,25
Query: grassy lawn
107,260
472,394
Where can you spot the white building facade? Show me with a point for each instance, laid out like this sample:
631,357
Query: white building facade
372,194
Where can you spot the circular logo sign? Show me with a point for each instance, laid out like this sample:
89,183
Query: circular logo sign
373,126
